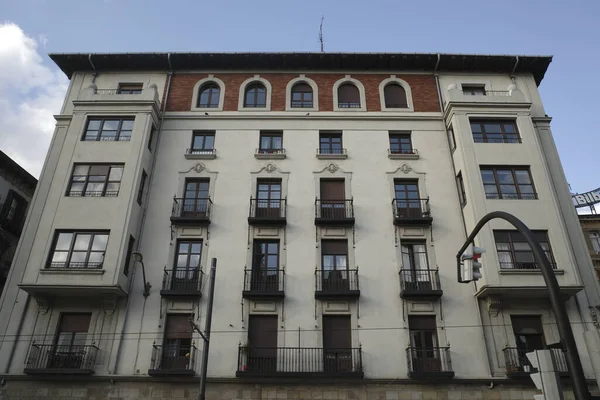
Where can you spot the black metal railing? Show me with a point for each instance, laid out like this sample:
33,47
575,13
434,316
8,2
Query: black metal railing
99,193
173,357
61,357
334,209
349,104
201,151
192,208
560,360
264,280
267,208
419,280
295,360
74,265
331,151
336,281
509,265
511,196
403,151
517,363
411,208
396,105
119,91
429,360
179,280
270,151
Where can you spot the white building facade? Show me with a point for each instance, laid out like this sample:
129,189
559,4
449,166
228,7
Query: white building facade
334,190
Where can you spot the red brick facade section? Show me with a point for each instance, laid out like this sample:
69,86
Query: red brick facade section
424,92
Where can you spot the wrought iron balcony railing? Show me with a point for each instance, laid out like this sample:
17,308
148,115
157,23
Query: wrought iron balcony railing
74,265
419,283
337,283
173,360
267,212
182,282
334,212
198,152
327,151
191,210
61,359
509,265
518,366
264,283
411,212
301,362
402,151
429,362
270,151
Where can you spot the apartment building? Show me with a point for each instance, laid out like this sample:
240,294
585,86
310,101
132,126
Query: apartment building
16,190
334,190
590,224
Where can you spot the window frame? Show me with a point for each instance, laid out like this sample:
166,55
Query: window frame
394,106
401,135
594,236
462,194
142,187
475,89
331,135
188,255
14,221
209,85
254,86
393,79
498,185
130,88
351,105
361,91
116,138
203,149
106,182
540,235
75,233
451,137
270,135
502,123
409,244
304,103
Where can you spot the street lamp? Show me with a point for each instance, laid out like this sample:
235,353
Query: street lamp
137,256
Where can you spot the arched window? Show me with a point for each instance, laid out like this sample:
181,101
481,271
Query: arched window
208,96
395,96
256,95
348,96
302,95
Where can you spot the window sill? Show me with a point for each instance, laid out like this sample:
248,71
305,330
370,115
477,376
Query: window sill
527,272
403,156
332,156
269,156
207,109
62,271
210,156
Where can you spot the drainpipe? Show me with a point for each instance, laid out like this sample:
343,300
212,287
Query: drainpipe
145,211
512,73
93,68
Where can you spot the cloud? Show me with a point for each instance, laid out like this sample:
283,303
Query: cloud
30,94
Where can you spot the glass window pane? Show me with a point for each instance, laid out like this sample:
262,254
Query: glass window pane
64,241
100,242
340,262
81,169
82,242
276,142
475,127
521,246
509,128
96,257
504,176
93,125
194,260
209,142
522,176
492,128
116,173
59,256
78,256
196,248
487,176
183,247
108,135
127,125
111,125
182,260
261,98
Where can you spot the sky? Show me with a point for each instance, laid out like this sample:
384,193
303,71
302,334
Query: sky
32,89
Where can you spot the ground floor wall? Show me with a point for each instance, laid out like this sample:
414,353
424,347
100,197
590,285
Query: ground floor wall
147,389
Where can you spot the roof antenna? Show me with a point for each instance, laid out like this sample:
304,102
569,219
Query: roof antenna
321,35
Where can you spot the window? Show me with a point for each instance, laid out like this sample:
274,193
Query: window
425,355
271,142
128,256
348,96
203,143
333,203
401,143
414,256
12,215
302,96
108,130
72,332
268,198
151,139
337,343
262,343
265,261
451,138
196,198
130,88
529,335
334,261
395,96
462,196
473,90
514,251
188,255
255,95
407,201
177,352
208,96
95,180
508,183
595,239
74,249
494,131
330,143
140,194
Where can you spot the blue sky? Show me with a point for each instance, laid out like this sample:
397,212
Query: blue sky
566,29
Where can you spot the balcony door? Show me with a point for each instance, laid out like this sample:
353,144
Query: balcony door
177,350
333,198
69,350
408,204
186,273
337,343
334,264
529,336
415,267
195,198
265,266
268,198
425,352
262,343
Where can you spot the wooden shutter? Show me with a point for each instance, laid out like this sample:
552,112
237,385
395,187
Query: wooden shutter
334,247
178,327
74,322
348,93
421,323
527,324
333,189
337,332
262,331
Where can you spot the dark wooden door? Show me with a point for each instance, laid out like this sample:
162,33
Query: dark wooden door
337,343
69,349
529,336
268,199
425,353
262,343
265,266
177,349
333,198
408,204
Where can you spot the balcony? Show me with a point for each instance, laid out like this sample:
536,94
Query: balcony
420,283
264,284
408,212
510,97
518,366
191,211
403,154
51,359
332,154
269,154
334,212
200,154
426,363
182,283
337,284
265,362
104,96
267,212
168,360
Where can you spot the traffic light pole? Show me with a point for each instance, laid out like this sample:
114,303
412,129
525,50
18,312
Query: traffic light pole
580,388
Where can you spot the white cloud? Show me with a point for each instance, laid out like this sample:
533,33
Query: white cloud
30,94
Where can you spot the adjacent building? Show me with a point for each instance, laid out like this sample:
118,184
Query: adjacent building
16,190
334,190
590,224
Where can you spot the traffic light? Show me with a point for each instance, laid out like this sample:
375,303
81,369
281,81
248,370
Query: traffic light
545,377
471,267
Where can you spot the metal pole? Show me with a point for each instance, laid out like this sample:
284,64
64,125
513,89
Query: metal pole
580,388
211,296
